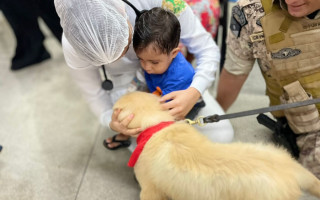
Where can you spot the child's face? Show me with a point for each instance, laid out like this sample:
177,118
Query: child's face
154,62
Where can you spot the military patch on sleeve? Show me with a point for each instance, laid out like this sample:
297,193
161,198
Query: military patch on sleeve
176,6
235,27
238,20
256,37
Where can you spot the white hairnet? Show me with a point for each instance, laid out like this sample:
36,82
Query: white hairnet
96,29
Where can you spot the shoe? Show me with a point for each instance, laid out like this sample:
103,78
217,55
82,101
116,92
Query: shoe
122,143
27,60
0,148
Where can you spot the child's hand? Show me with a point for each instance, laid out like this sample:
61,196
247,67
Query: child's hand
181,102
122,126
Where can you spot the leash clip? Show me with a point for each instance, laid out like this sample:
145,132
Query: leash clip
199,121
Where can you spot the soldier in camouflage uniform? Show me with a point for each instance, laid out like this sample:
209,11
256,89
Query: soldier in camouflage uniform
284,37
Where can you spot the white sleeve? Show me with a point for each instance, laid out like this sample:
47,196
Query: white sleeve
200,43
89,81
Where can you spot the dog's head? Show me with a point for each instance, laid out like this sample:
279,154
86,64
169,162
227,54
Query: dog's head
145,107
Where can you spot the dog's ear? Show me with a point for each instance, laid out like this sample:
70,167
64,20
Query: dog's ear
145,107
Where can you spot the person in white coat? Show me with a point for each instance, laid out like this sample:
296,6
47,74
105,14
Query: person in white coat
97,35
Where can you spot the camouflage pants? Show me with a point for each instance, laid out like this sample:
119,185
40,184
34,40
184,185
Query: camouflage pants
309,145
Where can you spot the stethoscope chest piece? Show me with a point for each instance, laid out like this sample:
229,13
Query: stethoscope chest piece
107,85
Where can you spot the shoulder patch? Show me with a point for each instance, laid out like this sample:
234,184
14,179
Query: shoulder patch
235,27
238,14
176,6
238,20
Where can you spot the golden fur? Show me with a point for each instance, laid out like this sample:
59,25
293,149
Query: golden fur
180,163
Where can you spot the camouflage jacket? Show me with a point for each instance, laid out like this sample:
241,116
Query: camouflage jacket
242,49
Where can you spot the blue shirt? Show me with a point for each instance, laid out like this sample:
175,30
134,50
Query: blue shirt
178,76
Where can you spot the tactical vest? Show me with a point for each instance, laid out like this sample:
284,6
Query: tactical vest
293,46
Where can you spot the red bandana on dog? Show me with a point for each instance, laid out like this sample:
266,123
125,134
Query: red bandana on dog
143,139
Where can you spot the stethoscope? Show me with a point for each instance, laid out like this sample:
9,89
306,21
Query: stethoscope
107,83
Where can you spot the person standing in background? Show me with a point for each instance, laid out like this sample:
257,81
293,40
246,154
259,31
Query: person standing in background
23,18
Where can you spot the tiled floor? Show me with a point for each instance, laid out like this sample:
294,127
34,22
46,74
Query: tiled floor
52,144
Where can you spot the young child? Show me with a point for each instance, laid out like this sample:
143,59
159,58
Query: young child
155,40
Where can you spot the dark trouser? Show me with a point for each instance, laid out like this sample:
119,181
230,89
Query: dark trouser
23,16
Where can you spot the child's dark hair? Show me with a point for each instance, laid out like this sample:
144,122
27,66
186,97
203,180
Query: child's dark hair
158,26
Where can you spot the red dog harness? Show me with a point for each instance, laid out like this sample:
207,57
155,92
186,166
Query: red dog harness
143,138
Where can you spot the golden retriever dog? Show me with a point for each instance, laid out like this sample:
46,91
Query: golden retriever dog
179,163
